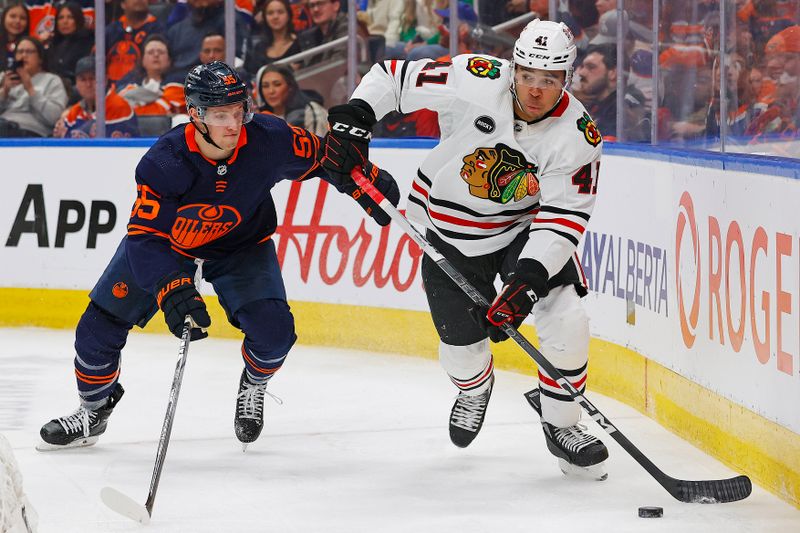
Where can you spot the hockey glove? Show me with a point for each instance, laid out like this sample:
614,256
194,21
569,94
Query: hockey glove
178,297
347,140
523,288
384,182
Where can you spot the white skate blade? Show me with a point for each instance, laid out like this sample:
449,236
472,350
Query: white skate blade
124,505
593,473
80,443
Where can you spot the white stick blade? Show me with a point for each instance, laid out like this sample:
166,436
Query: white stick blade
124,505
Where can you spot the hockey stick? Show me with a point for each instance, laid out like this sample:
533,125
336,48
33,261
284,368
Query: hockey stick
124,504
708,491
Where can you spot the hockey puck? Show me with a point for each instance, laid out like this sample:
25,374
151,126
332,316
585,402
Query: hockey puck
651,512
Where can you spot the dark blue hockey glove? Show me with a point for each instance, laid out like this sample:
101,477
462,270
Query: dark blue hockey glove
523,288
178,297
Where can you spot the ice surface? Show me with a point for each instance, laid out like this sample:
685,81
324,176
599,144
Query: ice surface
360,444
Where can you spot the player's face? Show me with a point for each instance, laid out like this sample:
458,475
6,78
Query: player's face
537,90
224,124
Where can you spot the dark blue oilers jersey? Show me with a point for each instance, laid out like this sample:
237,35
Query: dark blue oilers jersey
190,206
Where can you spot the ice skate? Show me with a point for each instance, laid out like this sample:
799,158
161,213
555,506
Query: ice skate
466,417
81,428
249,419
580,454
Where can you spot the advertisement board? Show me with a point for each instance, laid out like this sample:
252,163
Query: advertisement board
694,266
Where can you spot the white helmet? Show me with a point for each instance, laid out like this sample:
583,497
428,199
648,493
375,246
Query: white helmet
546,45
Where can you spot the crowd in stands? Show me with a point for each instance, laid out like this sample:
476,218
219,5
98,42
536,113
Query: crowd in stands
47,85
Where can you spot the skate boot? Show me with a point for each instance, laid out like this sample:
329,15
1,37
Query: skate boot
466,417
249,419
579,453
81,428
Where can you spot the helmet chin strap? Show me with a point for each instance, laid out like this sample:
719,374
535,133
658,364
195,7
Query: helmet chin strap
206,136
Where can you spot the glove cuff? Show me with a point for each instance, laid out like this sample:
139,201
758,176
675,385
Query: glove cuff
534,274
367,114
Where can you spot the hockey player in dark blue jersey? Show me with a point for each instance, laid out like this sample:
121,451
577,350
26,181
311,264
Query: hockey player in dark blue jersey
203,198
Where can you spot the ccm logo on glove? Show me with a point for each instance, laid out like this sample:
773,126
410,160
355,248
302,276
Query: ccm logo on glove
355,131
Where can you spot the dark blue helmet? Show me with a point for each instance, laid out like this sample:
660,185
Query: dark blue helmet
216,84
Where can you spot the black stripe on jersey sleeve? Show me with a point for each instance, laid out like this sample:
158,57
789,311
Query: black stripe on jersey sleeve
383,66
562,211
402,82
567,236
424,179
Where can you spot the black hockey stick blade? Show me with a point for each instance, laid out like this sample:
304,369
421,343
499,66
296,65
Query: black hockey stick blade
711,491
124,505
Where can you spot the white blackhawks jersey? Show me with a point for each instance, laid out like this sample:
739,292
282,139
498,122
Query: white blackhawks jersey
491,177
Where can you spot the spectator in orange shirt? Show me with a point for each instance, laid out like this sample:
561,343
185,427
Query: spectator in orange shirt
125,36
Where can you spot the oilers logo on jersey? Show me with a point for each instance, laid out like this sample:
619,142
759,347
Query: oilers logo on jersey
499,174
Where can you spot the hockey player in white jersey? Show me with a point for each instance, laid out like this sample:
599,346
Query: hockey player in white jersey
508,191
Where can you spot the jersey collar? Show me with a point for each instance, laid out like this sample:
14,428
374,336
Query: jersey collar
188,133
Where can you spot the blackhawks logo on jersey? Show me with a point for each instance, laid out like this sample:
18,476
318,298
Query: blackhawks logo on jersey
500,174
589,129
483,67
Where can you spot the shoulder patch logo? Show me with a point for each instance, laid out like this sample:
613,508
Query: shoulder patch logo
589,129
484,124
499,174
483,67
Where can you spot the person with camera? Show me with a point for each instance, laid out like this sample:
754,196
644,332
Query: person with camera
31,100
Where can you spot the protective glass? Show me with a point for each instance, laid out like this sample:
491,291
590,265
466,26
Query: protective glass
537,80
231,117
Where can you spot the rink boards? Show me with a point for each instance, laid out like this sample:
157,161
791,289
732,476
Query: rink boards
694,266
